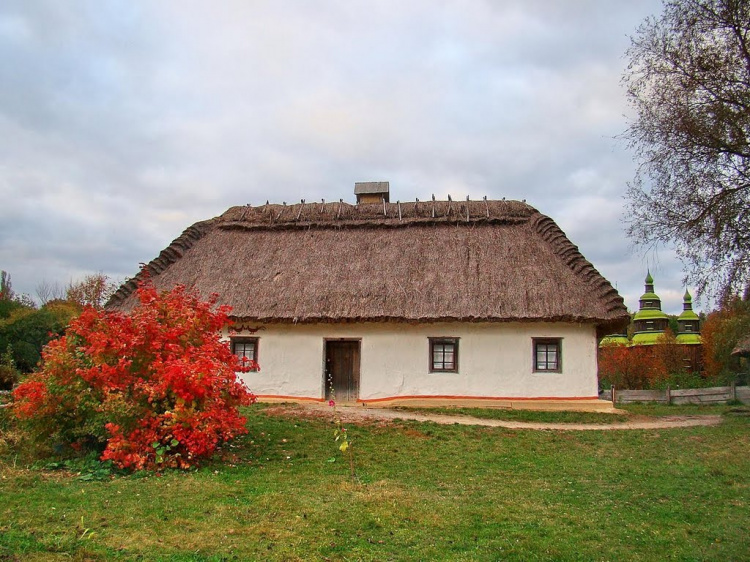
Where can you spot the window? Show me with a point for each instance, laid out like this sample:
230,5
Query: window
443,355
650,325
548,355
245,347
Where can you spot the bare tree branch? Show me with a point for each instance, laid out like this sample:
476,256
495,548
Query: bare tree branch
688,80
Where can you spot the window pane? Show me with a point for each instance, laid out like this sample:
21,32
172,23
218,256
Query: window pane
552,363
443,355
547,356
244,349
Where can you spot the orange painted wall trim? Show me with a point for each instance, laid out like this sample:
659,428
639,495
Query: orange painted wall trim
283,397
451,397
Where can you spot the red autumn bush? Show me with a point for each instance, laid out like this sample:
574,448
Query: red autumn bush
641,366
150,389
627,367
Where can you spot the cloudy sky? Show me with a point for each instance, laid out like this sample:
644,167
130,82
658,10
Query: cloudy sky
122,123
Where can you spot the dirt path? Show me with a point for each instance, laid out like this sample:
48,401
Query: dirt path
385,415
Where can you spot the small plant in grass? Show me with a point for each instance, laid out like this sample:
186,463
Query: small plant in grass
155,388
342,437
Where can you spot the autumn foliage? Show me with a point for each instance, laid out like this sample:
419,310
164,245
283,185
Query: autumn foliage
153,388
641,366
92,290
721,332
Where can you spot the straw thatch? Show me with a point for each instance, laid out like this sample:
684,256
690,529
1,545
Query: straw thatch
418,261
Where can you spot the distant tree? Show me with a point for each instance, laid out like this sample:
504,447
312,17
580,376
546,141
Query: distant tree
27,330
8,371
9,299
7,308
689,82
46,291
674,325
720,333
6,287
94,290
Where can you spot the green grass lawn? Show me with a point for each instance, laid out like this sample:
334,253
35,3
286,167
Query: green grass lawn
425,492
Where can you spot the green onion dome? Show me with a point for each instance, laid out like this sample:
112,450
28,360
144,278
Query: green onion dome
649,322
689,323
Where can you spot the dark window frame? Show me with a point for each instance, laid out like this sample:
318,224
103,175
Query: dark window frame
443,341
243,340
536,343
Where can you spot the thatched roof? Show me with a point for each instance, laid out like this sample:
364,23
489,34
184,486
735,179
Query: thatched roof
419,261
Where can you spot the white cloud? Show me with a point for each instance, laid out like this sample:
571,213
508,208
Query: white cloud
123,123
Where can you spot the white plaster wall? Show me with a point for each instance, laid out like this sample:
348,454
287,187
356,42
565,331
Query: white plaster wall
495,360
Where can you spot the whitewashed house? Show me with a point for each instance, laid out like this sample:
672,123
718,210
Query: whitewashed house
443,301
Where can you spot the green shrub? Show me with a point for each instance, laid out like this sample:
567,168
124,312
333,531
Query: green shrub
8,371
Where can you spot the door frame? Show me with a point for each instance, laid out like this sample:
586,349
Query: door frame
357,364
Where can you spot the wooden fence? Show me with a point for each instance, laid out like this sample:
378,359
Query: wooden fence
713,395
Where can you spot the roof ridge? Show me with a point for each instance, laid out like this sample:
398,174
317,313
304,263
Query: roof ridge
569,252
341,213
166,257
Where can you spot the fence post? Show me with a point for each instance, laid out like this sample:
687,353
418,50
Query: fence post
669,395
614,398
733,386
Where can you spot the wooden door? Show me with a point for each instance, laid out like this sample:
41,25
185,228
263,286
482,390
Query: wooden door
342,370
